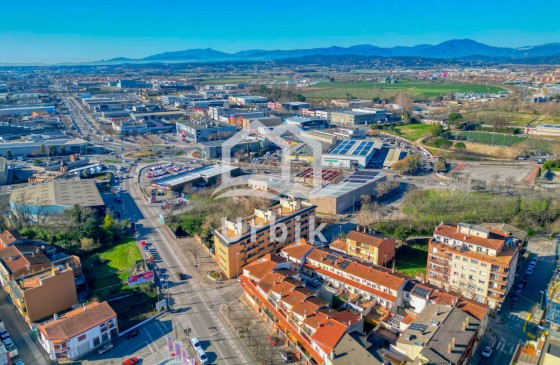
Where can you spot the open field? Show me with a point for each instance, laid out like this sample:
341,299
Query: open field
370,90
411,259
412,132
107,271
493,139
514,119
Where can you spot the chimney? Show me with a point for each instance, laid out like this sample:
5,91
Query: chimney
449,348
452,342
84,307
253,221
467,323
365,229
55,316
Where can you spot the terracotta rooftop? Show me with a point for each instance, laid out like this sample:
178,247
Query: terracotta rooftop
269,280
9,237
472,307
441,297
314,320
259,269
338,245
24,259
370,239
493,243
79,320
328,334
379,276
503,257
297,250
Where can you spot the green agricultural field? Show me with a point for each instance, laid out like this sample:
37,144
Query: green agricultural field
411,259
412,132
107,271
370,90
495,139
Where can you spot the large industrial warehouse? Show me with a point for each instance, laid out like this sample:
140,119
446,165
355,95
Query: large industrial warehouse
351,153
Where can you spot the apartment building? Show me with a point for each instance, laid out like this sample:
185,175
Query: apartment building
300,318
364,287
366,247
475,260
78,332
440,334
244,240
45,293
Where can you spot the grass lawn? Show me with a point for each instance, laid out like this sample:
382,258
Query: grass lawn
411,259
369,90
412,132
495,139
107,271
520,119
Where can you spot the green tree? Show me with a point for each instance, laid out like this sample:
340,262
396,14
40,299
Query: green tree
408,165
440,165
108,222
454,119
62,149
436,130
43,150
8,154
54,150
459,146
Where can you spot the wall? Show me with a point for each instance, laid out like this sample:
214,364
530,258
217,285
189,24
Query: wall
56,294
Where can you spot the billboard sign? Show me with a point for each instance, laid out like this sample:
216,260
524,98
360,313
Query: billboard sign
141,278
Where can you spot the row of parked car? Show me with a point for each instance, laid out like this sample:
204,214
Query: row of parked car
8,343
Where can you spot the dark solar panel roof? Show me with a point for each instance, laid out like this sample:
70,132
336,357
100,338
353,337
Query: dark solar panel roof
418,327
344,264
332,258
419,291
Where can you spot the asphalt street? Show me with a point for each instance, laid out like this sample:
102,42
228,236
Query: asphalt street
192,304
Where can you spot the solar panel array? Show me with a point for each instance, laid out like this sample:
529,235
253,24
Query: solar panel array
344,264
419,291
362,148
418,327
343,147
396,320
332,258
361,177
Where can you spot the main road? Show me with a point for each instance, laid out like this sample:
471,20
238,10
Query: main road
193,305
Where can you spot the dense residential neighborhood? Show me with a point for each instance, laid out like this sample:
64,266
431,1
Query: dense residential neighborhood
275,194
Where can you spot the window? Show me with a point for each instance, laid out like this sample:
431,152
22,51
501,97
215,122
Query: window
483,264
465,259
482,272
434,250
474,261
82,337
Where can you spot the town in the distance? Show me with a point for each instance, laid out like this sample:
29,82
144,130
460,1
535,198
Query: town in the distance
325,210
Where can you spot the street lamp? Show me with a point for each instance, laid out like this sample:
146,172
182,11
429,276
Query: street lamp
542,296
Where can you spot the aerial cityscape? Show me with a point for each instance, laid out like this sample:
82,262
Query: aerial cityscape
308,183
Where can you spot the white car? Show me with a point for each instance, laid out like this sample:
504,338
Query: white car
195,343
443,184
202,356
486,352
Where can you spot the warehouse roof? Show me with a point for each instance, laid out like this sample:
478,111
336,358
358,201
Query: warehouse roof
60,192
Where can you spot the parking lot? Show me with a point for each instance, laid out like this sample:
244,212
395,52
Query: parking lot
514,172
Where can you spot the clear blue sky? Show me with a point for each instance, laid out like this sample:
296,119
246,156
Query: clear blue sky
42,31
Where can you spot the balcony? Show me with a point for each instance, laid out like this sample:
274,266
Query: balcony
438,261
440,270
497,290
443,256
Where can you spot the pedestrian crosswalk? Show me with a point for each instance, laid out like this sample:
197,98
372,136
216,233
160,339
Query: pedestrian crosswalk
154,254
515,322
506,347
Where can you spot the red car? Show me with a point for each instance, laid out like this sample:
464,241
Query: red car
131,361
273,340
143,243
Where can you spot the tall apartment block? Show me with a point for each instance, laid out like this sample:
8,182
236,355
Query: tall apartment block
478,261
241,241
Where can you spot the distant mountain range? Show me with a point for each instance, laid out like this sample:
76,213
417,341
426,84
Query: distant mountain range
460,49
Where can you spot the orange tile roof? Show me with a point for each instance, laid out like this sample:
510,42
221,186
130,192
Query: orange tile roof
451,232
370,239
379,276
502,258
260,268
269,280
355,284
73,323
314,320
329,334
21,264
297,250
282,288
292,299
472,307
249,287
442,297
7,238
345,317
338,245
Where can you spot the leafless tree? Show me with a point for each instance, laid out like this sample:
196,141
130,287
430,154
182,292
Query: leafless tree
193,248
